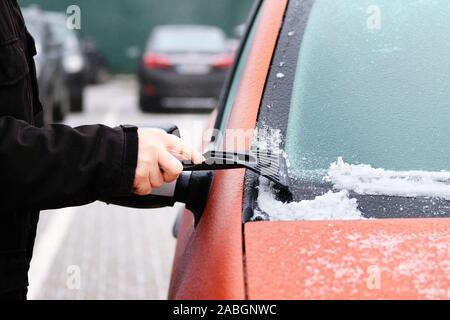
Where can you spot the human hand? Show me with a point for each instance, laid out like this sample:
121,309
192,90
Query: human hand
159,159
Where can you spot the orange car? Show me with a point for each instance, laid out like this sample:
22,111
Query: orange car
360,95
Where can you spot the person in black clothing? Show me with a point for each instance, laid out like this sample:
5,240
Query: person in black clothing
57,166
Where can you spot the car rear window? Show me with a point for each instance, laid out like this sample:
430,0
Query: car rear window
173,40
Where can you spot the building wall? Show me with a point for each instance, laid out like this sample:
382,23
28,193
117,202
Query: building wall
117,26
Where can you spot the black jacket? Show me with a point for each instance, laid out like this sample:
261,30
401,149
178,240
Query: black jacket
46,167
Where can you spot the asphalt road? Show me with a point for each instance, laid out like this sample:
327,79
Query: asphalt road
108,252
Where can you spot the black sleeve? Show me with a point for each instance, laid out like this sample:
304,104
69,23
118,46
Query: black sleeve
58,166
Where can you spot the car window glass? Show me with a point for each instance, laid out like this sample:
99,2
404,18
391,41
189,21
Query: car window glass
363,108
63,35
189,40
373,96
237,77
35,28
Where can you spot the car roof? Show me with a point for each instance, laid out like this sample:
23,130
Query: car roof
33,15
55,16
33,12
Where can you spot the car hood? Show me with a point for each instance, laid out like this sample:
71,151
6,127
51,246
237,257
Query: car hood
369,259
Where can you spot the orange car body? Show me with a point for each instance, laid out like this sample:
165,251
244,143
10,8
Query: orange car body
374,259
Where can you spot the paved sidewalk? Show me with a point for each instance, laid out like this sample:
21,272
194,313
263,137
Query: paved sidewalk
110,252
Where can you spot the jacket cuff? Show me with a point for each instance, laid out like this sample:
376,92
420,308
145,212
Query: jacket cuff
129,160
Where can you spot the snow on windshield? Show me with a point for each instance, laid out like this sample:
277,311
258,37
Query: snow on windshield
365,180
266,138
361,179
330,206
333,205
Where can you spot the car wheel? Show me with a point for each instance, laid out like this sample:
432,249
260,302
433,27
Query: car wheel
62,107
57,114
76,102
49,114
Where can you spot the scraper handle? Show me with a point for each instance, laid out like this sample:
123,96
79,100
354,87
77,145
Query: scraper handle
221,160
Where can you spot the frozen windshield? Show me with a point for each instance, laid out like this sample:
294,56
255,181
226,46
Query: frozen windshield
368,132
378,97
188,39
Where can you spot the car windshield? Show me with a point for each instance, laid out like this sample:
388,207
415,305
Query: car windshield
62,34
189,40
35,27
368,131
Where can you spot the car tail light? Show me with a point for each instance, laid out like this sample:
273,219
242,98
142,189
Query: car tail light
157,61
223,62
149,90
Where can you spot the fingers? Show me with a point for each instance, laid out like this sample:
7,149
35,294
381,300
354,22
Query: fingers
155,176
197,157
149,175
142,186
157,159
178,148
170,166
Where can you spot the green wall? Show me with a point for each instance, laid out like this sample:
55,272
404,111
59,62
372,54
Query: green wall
117,25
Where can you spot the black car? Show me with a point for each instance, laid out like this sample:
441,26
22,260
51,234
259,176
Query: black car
73,60
53,90
97,68
183,66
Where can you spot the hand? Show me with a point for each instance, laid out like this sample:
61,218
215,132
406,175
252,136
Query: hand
159,156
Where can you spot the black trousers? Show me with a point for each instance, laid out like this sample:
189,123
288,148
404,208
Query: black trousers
18,295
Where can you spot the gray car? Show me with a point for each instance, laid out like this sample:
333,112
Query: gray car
73,60
53,90
184,66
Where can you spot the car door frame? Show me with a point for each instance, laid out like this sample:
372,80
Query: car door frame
209,261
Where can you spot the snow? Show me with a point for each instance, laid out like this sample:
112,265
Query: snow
389,253
269,139
366,180
361,179
414,263
330,206
394,255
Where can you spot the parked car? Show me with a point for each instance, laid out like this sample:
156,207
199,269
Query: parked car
97,67
373,225
239,31
183,62
73,60
53,90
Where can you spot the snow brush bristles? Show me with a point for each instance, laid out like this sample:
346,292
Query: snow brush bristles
262,162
